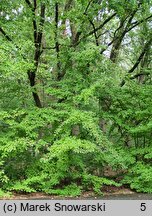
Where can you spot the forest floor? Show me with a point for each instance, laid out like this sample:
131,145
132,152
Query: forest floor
107,191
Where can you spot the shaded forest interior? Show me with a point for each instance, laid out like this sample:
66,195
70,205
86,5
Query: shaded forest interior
75,96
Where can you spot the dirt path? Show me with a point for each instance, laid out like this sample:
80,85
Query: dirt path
108,192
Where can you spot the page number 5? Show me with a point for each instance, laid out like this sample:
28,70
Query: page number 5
143,207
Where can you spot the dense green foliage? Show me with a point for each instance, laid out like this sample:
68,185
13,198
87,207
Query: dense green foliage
75,95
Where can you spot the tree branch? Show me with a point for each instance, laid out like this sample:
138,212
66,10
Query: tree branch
29,3
35,4
127,29
41,24
138,75
95,34
141,56
102,25
120,34
33,9
5,35
138,23
137,63
96,29
91,22
37,42
88,5
56,39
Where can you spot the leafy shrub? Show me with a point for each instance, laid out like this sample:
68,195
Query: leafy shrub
139,177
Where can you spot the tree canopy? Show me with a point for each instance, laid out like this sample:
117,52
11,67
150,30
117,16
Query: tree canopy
75,95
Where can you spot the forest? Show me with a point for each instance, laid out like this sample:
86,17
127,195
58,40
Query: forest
75,96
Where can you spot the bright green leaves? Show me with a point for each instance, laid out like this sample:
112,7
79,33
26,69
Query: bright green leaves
72,144
88,54
87,122
4,194
96,182
123,7
139,178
